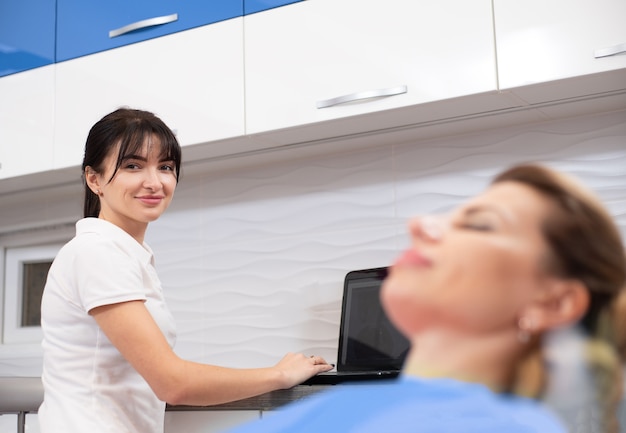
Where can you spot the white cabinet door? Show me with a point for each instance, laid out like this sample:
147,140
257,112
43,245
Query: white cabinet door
32,423
310,52
193,80
26,122
8,423
540,41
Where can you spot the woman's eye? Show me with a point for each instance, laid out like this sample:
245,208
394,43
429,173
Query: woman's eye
478,220
132,166
478,226
167,167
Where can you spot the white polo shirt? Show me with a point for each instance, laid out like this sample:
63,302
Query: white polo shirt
89,387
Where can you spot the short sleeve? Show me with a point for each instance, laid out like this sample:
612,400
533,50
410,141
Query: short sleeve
106,274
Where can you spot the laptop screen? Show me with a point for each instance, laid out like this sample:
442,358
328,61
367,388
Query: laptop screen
367,339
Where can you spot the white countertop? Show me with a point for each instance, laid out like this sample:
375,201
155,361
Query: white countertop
25,394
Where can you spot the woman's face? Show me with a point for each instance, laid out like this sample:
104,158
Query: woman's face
473,270
140,191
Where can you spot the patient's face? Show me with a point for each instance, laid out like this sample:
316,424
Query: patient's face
472,270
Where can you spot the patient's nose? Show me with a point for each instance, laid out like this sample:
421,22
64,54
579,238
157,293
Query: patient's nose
429,227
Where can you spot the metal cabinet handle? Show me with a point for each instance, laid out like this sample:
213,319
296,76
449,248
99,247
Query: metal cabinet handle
391,91
610,51
150,22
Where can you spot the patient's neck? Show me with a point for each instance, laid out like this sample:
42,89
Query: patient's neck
486,359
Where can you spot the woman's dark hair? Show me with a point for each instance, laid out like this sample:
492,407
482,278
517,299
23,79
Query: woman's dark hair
126,131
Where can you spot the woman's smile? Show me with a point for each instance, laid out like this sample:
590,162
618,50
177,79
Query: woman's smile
152,200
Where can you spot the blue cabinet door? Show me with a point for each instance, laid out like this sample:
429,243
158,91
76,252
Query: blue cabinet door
252,6
27,30
88,26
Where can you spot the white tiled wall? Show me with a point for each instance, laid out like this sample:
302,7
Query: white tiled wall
263,253
253,260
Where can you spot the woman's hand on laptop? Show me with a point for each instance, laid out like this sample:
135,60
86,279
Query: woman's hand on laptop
295,368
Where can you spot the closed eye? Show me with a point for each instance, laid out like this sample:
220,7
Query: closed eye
478,219
484,227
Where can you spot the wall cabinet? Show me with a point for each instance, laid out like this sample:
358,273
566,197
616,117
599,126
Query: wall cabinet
27,30
326,59
314,69
90,27
26,122
542,42
193,80
253,6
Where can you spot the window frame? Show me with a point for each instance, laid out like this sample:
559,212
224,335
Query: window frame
14,259
38,238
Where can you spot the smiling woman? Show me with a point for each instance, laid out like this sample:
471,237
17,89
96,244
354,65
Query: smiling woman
124,141
107,332
143,188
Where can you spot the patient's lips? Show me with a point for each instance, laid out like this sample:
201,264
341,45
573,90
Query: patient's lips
412,258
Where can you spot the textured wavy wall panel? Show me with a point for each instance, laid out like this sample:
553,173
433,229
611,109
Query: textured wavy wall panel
259,271
253,261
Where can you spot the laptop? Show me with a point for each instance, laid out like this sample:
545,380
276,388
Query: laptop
370,347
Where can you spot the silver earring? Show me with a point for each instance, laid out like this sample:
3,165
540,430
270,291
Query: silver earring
525,326
98,192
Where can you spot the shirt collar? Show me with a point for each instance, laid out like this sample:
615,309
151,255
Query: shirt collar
96,225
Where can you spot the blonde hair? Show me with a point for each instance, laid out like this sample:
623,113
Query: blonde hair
585,244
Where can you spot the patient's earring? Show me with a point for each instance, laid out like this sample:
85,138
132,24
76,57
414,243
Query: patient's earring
525,326
98,192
